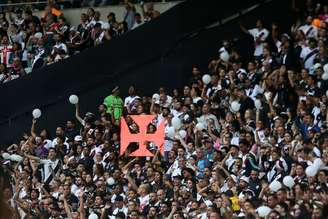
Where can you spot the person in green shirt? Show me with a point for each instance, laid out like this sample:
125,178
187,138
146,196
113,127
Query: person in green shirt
114,105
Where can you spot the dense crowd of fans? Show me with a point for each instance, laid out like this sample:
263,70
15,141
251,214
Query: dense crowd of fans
244,143
28,42
40,4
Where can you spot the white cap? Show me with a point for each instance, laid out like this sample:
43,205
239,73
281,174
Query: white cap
234,178
38,35
208,203
245,178
316,66
78,138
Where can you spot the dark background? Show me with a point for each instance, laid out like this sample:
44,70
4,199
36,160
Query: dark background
160,53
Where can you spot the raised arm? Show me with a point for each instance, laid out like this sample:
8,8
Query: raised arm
67,209
77,114
155,158
129,178
257,138
243,28
291,78
33,128
129,164
203,94
183,143
32,157
210,132
174,209
152,106
222,163
43,190
144,14
81,206
219,166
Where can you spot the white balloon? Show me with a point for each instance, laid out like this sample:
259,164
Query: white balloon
257,104
182,133
176,122
171,132
110,181
200,126
311,171
288,181
206,79
6,156
155,96
325,68
235,106
73,99
324,76
93,216
36,113
16,158
318,163
275,186
263,211
224,56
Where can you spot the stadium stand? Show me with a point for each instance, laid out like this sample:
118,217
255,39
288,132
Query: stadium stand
243,99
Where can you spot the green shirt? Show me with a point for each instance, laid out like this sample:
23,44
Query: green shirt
114,106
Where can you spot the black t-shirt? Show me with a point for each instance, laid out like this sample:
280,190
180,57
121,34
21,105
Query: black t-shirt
87,163
71,133
245,104
72,199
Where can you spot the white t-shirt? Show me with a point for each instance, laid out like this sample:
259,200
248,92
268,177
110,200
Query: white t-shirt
144,201
2,77
204,119
176,113
252,92
128,100
309,33
278,45
230,161
262,34
305,52
167,143
49,166
261,135
114,197
60,46
117,210
316,112
168,101
196,99
135,25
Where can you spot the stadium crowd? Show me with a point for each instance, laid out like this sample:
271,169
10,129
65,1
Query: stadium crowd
28,42
243,140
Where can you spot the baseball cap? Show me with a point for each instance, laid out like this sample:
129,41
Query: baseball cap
245,179
38,35
233,177
316,66
78,138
